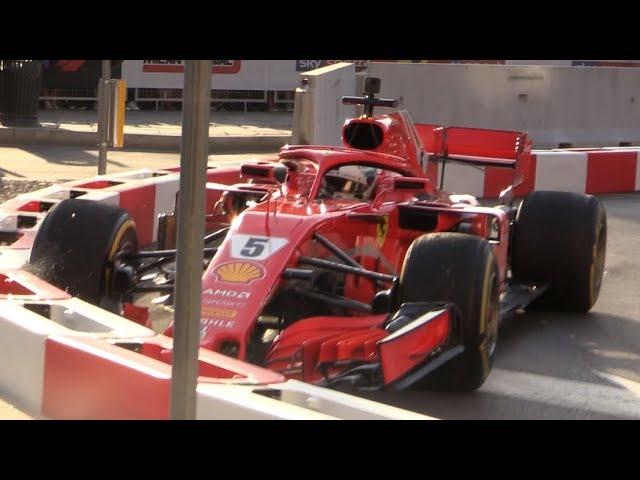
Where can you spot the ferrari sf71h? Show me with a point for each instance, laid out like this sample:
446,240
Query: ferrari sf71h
350,266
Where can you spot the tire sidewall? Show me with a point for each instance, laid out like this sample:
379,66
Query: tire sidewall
555,242
460,269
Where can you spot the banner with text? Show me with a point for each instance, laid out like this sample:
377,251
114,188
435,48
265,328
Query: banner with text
226,74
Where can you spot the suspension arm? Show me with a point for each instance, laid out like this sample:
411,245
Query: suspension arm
339,267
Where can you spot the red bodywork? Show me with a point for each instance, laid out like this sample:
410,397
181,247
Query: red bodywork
271,235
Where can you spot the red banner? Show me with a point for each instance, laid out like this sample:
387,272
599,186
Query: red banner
177,66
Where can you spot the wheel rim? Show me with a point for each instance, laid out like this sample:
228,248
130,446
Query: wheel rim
121,245
492,315
597,265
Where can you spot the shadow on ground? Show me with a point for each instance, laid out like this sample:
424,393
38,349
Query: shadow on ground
555,349
169,118
63,156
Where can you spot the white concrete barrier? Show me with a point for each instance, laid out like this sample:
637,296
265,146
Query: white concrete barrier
232,402
293,400
65,362
23,335
582,106
22,346
318,111
341,405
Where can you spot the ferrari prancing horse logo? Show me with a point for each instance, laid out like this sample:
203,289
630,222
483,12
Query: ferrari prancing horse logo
381,230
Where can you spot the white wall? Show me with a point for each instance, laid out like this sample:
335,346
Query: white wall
319,112
583,106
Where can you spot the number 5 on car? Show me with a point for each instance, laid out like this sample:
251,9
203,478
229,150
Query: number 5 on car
254,247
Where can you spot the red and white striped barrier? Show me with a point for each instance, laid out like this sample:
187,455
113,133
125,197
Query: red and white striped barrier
27,321
144,193
592,171
80,372
63,358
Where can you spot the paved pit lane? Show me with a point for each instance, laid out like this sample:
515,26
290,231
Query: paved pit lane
559,366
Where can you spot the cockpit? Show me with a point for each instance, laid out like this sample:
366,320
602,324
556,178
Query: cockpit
353,182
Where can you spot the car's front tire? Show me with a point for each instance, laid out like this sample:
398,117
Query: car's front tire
76,244
461,269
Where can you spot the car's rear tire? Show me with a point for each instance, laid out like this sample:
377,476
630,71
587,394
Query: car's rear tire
461,269
76,244
560,239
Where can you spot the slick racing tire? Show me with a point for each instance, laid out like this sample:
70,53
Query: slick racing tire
459,269
75,247
560,239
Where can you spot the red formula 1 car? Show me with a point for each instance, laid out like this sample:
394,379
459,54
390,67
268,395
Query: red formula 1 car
347,265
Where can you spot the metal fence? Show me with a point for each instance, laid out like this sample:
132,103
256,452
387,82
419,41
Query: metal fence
160,97
167,98
69,94
285,97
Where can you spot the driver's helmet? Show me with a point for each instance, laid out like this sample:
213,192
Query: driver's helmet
351,182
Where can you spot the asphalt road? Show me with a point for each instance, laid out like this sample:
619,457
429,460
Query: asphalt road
58,163
559,366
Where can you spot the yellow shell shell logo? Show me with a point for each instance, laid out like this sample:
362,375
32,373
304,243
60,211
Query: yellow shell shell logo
239,272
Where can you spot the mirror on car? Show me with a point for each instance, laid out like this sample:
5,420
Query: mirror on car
280,173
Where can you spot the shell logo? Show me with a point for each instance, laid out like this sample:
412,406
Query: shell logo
239,272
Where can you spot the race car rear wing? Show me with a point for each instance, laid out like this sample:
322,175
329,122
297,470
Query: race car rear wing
479,147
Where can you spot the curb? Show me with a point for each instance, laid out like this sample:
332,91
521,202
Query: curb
163,143
10,412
